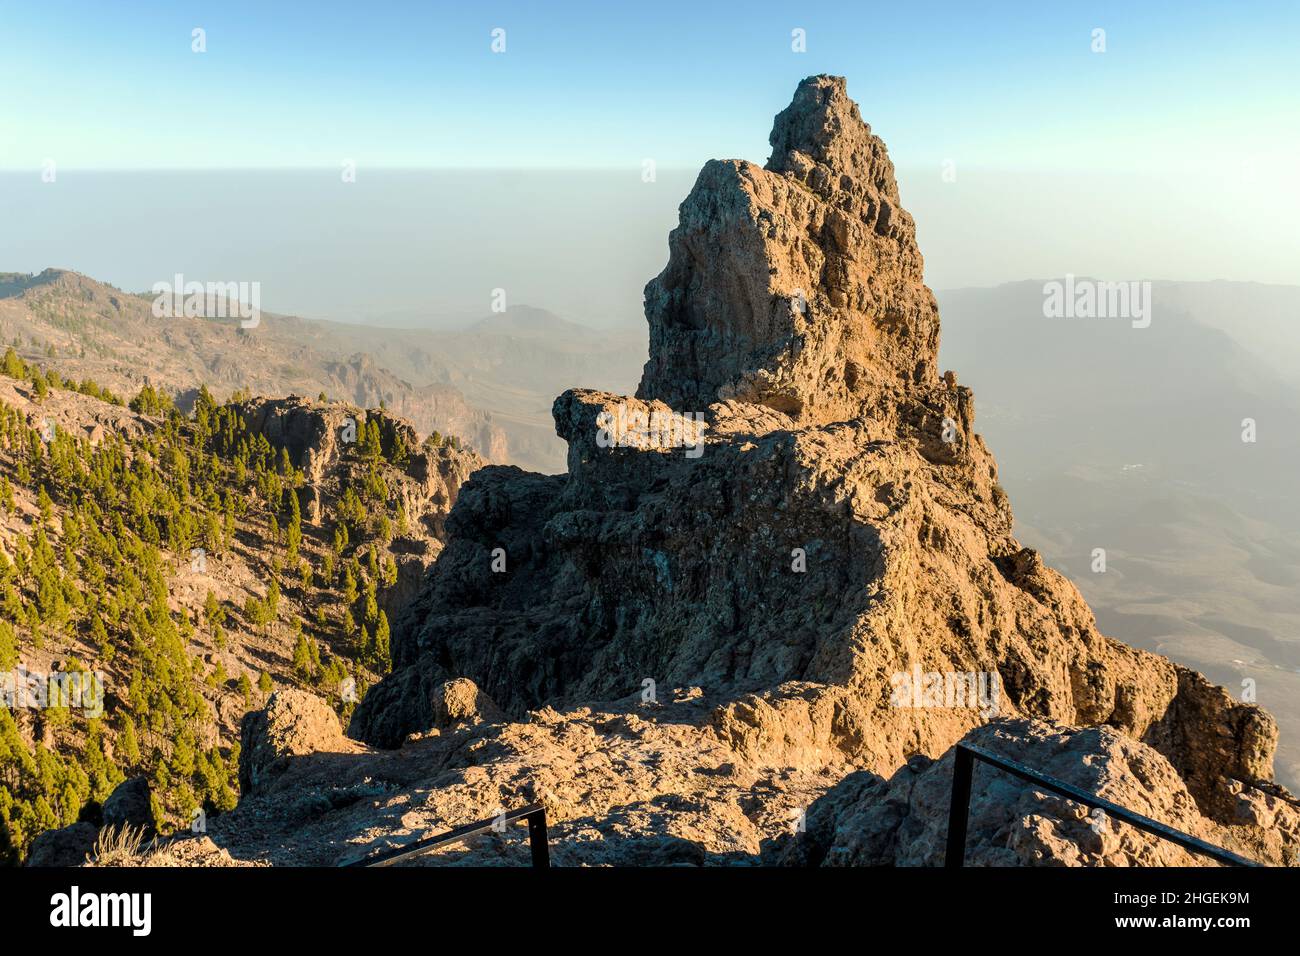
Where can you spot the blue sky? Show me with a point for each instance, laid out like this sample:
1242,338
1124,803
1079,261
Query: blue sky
97,85
1173,154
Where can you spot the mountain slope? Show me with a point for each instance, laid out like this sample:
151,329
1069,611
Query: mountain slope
193,564
1130,440
98,332
511,364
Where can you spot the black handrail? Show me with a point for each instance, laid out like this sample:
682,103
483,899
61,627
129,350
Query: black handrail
959,810
534,813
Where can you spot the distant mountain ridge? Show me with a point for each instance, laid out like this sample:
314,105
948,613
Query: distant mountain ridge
490,382
511,364
97,331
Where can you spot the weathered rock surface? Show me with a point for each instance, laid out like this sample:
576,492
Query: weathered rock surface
459,700
294,723
798,284
812,588
867,821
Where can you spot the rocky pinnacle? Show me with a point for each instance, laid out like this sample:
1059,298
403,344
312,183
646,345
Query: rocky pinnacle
828,582
796,285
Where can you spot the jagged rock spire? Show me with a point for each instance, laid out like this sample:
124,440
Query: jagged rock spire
824,125
643,559
797,285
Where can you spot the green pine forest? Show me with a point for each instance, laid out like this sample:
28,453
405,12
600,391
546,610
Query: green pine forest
88,584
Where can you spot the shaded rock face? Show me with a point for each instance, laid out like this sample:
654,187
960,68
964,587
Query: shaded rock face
67,846
129,805
796,285
835,537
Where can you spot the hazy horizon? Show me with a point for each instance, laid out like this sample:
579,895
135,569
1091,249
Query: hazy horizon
410,247
430,164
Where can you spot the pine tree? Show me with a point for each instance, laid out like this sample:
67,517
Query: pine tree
372,445
14,367
349,585
213,613
8,646
293,533
302,657
381,653
128,745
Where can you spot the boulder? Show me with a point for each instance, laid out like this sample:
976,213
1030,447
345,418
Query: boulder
129,805
460,701
294,724
68,846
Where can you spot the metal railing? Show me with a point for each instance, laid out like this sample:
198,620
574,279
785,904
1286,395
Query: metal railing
534,813
959,810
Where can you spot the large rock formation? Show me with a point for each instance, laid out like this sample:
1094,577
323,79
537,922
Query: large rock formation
322,439
796,285
293,724
712,619
66,846
131,805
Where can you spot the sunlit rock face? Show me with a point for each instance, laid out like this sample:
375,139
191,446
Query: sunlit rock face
796,285
762,579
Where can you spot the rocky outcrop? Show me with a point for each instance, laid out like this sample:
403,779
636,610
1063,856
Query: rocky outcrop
785,573
294,724
131,805
867,821
324,439
820,554
67,846
798,284
80,416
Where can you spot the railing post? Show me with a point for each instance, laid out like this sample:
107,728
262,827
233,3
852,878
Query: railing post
537,838
963,765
